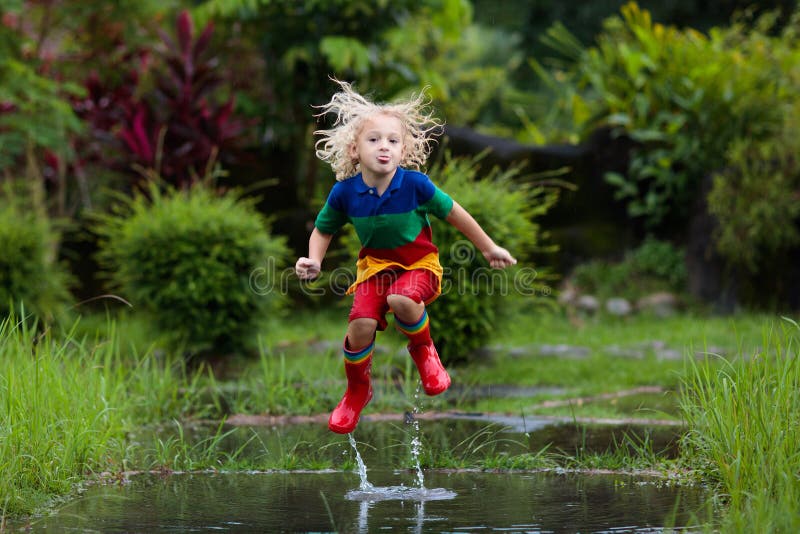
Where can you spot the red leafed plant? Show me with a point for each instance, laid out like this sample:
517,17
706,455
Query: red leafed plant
103,108
178,129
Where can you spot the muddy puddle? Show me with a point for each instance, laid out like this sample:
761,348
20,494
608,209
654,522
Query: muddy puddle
325,502
391,490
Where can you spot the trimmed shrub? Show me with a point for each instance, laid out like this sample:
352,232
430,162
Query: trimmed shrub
30,276
474,297
187,259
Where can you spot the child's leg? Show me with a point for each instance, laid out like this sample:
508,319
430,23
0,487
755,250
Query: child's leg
360,333
367,315
357,368
411,318
406,299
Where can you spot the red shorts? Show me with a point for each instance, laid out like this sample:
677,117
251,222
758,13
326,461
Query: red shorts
369,299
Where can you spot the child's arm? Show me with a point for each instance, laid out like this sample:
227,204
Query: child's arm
498,257
310,267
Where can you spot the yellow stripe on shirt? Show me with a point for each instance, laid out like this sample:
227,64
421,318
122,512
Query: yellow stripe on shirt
369,266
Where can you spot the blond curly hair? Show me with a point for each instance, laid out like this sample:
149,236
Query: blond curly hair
351,109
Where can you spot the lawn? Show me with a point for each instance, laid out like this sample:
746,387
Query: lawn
731,383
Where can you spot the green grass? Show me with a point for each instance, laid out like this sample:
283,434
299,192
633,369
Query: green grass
66,405
744,431
681,331
602,369
103,397
291,375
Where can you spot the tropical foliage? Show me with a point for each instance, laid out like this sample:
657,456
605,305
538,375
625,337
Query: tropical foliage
34,112
180,131
682,96
47,50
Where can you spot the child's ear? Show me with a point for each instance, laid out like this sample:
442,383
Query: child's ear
352,151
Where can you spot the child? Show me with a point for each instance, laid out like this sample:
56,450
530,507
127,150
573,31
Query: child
376,151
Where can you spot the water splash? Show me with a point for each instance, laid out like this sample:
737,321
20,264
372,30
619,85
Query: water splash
420,517
364,509
416,442
400,493
362,467
416,446
419,493
363,517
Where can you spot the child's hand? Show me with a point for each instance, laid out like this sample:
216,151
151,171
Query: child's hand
499,258
307,269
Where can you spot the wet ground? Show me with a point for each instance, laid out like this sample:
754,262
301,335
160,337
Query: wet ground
325,502
468,437
392,493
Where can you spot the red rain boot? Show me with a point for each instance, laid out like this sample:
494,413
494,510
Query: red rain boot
344,417
433,374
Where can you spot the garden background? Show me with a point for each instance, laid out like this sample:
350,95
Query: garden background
159,180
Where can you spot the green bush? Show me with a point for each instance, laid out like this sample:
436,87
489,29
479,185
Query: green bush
474,297
188,260
654,266
465,66
30,276
683,97
755,198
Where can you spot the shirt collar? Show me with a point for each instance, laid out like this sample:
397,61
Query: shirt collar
362,188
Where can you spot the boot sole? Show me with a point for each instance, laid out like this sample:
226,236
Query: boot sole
347,429
341,429
437,391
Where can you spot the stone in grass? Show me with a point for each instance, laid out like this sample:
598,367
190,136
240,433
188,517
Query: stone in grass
568,295
661,304
568,352
618,306
625,352
587,303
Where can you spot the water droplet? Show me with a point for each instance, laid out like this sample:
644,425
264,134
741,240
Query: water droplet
362,467
416,447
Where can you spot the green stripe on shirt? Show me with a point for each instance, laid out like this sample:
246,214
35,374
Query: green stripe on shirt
390,230
440,204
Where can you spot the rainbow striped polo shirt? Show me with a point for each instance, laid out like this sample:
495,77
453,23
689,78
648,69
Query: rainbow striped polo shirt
393,228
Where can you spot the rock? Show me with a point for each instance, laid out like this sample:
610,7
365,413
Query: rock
618,306
588,303
625,352
520,352
572,352
669,354
568,295
661,304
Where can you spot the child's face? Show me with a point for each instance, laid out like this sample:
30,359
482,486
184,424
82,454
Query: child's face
379,146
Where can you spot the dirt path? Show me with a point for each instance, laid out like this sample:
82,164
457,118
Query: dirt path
278,420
